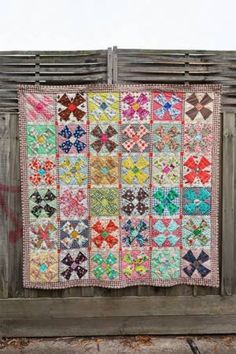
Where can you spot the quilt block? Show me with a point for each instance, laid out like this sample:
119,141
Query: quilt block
120,185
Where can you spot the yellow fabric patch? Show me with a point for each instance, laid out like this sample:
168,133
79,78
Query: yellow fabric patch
103,107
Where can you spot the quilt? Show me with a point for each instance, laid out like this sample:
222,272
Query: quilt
120,185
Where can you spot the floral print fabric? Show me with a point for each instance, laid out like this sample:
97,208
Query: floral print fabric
120,185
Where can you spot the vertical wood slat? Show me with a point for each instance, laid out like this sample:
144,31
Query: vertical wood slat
228,230
115,66
15,241
37,68
4,177
109,65
234,289
10,209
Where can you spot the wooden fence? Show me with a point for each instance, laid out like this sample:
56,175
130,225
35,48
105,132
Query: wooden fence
135,310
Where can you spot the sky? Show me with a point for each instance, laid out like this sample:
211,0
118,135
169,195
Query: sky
98,24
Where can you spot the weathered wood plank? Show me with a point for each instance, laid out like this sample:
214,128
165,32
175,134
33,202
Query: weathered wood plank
228,230
116,306
204,66
30,78
115,66
155,325
55,53
14,230
180,69
114,316
63,70
234,285
4,177
174,77
109,65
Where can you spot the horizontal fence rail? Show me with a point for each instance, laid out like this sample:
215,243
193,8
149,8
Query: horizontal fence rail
150,66
179,67
48,68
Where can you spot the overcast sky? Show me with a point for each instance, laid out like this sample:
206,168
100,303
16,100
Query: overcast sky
98,24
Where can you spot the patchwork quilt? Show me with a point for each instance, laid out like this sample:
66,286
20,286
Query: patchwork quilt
120,185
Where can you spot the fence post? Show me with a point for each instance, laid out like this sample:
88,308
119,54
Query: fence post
114,64
228,213
109,65
4,212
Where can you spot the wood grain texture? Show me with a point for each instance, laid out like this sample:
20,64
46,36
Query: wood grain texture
15,244
116,306
154,66
155,325
164,66
62,67
116,316
228,222
4,176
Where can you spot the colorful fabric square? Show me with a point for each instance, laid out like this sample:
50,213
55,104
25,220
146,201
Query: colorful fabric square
39,107
165,263
42,203
72,139
73,203
43,266
167,106
73,170
120,185
197,201
135,264
105,233
166,232
74,234
104,170
198,138
105,266
166,137
42,171
166,169
166,201
41,139
196,263
73,265
104,202
196,232
197,170
103,107
135,201
104,139
43,235
135,169
135,232
135,138
71,108
135,106
198,107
